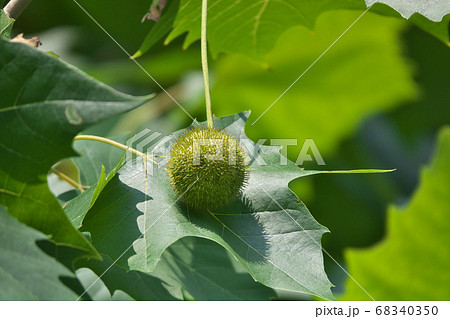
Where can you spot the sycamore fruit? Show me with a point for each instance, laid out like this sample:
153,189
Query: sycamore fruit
207,168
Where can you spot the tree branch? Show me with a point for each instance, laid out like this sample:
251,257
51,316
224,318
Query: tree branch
15,7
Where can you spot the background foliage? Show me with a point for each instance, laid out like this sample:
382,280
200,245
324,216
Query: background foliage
378,98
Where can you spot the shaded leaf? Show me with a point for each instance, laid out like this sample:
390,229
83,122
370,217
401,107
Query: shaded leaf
78,207
410,263
26,272
44,103
137,285
96,159
98,291
207,272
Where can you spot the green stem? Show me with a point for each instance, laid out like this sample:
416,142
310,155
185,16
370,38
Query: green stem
116,144
204,50
67,179
110,142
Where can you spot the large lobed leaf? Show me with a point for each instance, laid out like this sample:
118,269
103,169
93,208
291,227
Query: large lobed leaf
274,238
412,261
26,272
44,103
187,266
334,97
252,28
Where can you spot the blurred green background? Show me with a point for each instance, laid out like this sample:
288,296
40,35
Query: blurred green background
377,99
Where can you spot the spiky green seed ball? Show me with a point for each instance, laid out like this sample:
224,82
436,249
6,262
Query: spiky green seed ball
207,168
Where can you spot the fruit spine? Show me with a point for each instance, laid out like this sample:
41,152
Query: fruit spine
207,168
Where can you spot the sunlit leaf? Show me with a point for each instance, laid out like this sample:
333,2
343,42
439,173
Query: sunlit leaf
411,262
329,102
252,28
433,10
274,238
6,24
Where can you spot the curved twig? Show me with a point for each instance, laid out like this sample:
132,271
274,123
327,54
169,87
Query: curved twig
14,8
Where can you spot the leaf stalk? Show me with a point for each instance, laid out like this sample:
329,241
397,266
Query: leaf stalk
204,55
69,180
118,145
